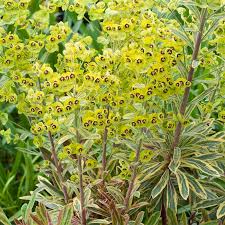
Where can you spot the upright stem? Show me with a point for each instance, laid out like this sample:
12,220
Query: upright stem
184,102
81,181
133,177
104,147
81,187
163,211
58,167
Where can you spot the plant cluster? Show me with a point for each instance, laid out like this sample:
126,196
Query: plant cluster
131,132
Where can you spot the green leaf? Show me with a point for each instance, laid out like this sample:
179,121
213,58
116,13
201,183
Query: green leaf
116,193
7,184
197,99
175,162
87,196
66,215
194,9
52,189
184,220
30,206
41,213
171,196
3,218
86,135
139,218
212,222
88,144
36,220
197,188
161,184
99,221
152,170
221,210
154,219
202,166
29,173
128,116
97,210
172,217
183,184
209,156
64,139
183,36
23,209
209,203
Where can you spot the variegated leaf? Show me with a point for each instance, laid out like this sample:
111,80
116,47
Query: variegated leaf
99,221
154,219
211,222
172,219
3,219
221,210
202,166
184,220
209,203
171,197
67,215
152,170
139,218
183,184
175,162
197,188
161,184
209,156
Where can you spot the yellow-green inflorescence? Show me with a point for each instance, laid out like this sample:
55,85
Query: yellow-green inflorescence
122,88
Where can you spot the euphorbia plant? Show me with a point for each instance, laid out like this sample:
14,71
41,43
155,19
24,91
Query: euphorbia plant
124,133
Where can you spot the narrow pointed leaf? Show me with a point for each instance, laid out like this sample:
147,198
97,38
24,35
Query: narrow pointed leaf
209,203
202,166
30,206
154,219
210,156
161,184
171,197
183,36
221,211
197,188
183,184
3,219
67,215
172,217
99,221
139,218
212,222
152,170
175,162
184,220
37,220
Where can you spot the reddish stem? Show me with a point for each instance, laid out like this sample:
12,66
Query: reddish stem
58,167
184,102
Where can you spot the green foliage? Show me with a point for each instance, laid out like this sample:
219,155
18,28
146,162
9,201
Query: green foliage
124,102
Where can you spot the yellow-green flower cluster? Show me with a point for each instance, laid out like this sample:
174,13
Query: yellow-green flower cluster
14,12
122,89
137,65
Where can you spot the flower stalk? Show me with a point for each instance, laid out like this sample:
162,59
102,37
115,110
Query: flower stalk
104,146
133,177
58,167
81,181
81,187
184,102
